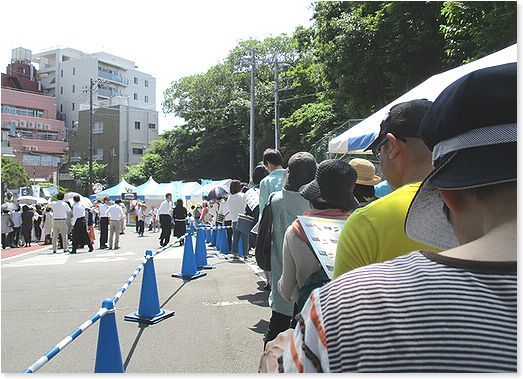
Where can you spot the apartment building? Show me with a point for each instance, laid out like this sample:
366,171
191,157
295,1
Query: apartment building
31,134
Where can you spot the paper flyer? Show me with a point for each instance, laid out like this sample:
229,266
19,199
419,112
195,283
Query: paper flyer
323,235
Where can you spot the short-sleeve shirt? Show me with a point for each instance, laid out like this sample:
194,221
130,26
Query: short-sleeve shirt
271,183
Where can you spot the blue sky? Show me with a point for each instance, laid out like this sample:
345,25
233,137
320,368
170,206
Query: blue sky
167,39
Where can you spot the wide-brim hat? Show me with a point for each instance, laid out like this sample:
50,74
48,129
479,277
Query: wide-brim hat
333,185
472,131
366,172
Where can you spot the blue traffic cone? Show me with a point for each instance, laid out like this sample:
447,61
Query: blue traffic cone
208,237
214,234
200,252
149,311
189,270
226,247
108,354
191,227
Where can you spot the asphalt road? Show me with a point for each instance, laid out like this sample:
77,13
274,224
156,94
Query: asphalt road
217,327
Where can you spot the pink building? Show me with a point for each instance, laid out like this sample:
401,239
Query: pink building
31,134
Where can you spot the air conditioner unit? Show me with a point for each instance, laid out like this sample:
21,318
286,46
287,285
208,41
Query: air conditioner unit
23,124
39,125
14,123
47,126
30,124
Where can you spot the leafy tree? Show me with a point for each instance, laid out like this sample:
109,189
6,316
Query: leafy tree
474,29
80,173
14,173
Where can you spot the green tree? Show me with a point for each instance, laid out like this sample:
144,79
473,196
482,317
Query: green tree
14,173
474,29
81,175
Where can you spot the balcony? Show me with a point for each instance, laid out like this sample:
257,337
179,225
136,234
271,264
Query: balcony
113,77
105,92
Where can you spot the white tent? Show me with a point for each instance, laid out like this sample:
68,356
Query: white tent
114,192
361,135
191,189
149,190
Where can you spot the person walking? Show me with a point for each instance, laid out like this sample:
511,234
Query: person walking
165,216
141,215
47,220
61,213
80,236
104,222
27,224
115,214
180,219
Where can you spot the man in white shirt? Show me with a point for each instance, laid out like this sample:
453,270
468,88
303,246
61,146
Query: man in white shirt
80,236
16,218
165,214
104,223
61,212
115,214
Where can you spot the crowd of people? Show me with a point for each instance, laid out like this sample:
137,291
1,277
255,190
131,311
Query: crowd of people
425,268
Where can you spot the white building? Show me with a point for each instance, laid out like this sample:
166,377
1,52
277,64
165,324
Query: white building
66,74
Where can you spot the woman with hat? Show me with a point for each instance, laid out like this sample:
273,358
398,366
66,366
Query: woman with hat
367,179
330,195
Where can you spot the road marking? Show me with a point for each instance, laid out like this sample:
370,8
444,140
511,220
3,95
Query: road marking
98,260
40,260
24,254
113,254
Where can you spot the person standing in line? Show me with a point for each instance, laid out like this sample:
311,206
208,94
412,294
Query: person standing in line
80,236
90,217
272,160
123,221
252,205
7,228
164,212
180,219
61,213
104,223
115,214
286,205
236,204
16,218
367,179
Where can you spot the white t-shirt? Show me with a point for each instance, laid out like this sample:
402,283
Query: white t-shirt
166,208
115,212
60,209
236,205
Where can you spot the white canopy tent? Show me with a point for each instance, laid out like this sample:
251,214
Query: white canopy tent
149,190
361,135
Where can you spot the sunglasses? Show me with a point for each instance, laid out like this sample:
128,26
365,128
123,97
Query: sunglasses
377,149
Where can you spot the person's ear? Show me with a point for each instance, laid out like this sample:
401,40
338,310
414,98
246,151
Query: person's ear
395,147
453,198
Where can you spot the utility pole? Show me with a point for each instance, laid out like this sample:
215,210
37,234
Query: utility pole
251,123
276,107
90,188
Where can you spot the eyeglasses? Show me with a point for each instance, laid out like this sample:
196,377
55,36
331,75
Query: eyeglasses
377,149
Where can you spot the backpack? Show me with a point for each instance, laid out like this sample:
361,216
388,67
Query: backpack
313,281
262,251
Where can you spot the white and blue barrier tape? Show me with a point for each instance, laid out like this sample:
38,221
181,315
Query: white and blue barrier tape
101,312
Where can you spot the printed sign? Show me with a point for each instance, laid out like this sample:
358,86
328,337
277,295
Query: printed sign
50,191
323,235
129,196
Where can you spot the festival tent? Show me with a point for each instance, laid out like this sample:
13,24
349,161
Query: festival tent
361,135
191,189
149,190
204,190
114,192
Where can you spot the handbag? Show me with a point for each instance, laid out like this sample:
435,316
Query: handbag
262,251
245,223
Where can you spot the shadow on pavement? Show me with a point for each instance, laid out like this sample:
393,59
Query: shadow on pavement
173,294
260,327
259,299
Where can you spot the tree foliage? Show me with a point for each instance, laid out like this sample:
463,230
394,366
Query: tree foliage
14,173
354,58
80,173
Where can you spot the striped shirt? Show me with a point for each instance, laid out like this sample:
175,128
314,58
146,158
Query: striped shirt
421,312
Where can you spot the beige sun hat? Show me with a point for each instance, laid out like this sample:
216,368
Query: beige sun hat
366,172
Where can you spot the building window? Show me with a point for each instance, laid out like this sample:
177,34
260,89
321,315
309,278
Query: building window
137,151
73,123
61,107
146,98
61,73
146,83
61,90
98,154
74,88
135,96
113,151
11,109
135,80
98,127
137,125
74,71
152,126
72,106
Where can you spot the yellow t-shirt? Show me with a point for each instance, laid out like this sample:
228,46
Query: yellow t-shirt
375,233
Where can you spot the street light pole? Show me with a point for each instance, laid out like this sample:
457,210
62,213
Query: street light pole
276,107
251,123
91,84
